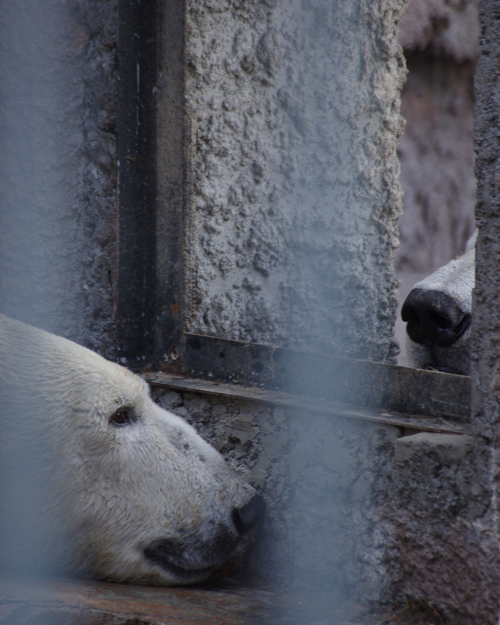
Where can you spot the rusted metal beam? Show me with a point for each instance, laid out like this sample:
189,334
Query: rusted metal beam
328,382
431,423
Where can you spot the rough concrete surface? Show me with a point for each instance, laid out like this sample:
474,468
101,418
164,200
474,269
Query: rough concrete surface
437,162
441,43
295,110
57,174
486,318
444,527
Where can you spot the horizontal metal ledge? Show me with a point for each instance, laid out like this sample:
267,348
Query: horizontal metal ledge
324,379
308,404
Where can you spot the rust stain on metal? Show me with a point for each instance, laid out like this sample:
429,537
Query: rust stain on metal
175,308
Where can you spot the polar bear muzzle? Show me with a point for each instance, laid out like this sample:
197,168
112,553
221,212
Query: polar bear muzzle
438,315
194,557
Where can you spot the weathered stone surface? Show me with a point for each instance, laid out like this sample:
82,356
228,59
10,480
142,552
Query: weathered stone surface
434,474
295,110
485,352
448,555
437,162
441,43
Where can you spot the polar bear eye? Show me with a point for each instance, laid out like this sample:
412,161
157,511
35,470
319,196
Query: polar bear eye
121,418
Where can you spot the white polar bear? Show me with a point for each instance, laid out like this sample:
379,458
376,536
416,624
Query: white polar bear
438,315
121,489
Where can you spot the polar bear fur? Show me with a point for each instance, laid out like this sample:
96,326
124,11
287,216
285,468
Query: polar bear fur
456,280
145,501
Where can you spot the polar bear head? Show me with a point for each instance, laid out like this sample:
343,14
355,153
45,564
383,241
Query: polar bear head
129,492
438,315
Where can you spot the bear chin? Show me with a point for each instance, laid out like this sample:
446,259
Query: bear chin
173,557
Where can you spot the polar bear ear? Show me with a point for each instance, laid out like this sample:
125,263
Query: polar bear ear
122,417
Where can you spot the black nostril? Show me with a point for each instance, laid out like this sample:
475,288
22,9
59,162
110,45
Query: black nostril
247,517
434,318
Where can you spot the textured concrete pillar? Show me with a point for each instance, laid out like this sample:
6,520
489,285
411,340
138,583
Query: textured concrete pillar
486,302
448,493
448,486
292,217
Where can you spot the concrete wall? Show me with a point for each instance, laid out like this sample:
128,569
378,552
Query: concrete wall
440,40
485,351
291,230
295,124
448,549
291,236
294,114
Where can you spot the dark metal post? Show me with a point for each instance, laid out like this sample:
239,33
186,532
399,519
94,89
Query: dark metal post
152,179
138,44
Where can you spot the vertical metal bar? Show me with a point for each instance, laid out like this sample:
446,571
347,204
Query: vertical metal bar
173,183
138,44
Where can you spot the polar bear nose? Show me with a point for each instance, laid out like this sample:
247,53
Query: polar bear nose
433,317
247,517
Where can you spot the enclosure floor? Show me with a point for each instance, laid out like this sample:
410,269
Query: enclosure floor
64,602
